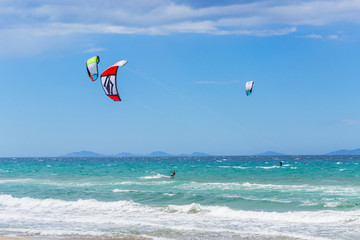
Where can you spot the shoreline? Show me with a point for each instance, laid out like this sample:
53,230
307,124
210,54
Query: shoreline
14,238
95,238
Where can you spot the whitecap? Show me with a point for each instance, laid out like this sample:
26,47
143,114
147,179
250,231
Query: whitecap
169,194
236,167
23,180
267,167
48,217
157,176
332,204
121,190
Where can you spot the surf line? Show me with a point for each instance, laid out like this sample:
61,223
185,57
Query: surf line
163,86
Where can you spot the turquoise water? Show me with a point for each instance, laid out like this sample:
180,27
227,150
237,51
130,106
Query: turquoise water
309,197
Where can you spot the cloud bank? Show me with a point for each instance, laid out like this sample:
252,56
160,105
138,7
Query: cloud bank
43,19
260,18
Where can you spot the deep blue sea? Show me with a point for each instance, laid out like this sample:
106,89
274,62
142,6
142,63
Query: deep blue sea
222,197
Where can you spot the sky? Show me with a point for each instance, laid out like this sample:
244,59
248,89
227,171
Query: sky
183,89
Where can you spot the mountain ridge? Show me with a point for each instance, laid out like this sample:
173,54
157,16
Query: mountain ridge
345,152
127,154
194,154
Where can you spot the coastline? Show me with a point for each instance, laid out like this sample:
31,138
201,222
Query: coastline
101,238
13,238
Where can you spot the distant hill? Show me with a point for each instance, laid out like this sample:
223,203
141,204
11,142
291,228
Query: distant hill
83,154
125,154
269,153
122,154
194,154
159,154
345,152
199,154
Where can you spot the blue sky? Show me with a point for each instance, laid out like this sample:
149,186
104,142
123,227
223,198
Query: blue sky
183,88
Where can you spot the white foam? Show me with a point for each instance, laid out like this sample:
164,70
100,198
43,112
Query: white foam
120,190
23,180
267,167
95,218
244,186
236,167
288,217
157,176
48,182
309,203
143,183
301,188
169,194
332,204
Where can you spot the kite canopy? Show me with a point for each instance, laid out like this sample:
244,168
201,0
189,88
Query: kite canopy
108,80
248,87
92,67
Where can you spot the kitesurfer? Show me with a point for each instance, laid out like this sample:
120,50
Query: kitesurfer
173,174
280,162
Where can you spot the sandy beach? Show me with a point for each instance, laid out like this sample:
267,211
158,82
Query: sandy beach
10,238
14,238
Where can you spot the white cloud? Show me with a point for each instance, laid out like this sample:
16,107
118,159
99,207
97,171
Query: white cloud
92,50
165,16
36,20
350,122
315,36
333,37
262,32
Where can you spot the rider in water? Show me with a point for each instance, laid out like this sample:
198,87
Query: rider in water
173,174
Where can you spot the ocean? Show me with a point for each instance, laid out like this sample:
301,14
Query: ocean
220,197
